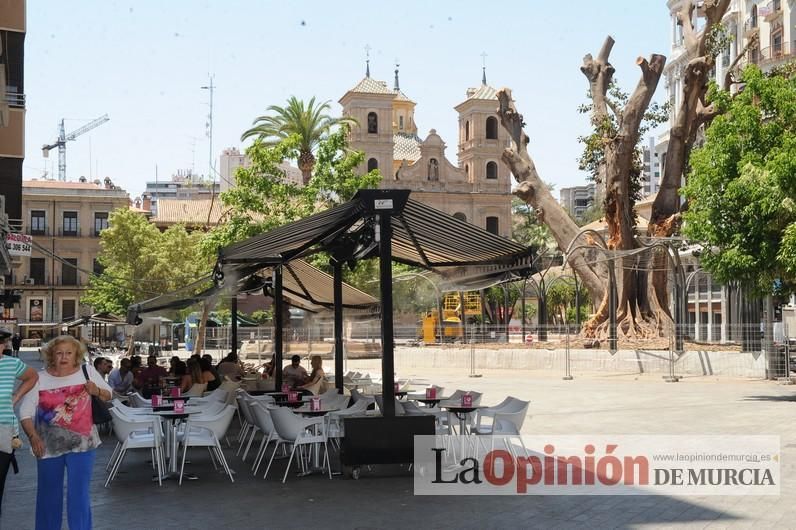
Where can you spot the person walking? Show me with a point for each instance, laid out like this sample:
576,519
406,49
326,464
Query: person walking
16,342
11,369
57,419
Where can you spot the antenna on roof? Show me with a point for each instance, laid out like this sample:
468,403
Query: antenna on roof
483,68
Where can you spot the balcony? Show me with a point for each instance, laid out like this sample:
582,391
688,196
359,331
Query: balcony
751,26
15,99
772,10
773,54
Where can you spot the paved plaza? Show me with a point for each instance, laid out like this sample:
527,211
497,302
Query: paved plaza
591,404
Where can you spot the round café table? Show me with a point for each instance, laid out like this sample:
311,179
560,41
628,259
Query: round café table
174,419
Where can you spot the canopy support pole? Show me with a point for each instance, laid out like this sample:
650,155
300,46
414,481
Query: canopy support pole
278,325
338,325
234,310
387,342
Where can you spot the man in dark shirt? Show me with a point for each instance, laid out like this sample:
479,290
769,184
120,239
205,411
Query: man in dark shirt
148,380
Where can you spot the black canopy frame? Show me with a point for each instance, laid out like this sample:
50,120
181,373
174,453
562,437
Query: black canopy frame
383,223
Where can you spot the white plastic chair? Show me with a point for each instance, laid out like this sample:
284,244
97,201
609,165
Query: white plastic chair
250,428
207,432
299,432
508,408
139,401
136,434
262,417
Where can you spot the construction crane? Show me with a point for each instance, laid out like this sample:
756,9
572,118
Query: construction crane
60,143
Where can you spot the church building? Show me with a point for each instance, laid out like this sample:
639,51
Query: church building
476,189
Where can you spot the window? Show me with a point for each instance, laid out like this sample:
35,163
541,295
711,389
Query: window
466,131
11,55
68,308
460,216
491,170
491,128
433,169
36,271
70,223
467,171
753,18
38,223
373,123
372,164
100,222
492,225
97,267
69,271
401,123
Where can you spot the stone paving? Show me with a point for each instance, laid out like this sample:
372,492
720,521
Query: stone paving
595,403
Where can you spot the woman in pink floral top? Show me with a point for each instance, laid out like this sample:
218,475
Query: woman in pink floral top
63,437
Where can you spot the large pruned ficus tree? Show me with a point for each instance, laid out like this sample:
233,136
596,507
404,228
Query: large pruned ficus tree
617,124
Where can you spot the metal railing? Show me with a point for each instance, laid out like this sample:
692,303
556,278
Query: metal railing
15,99
771,54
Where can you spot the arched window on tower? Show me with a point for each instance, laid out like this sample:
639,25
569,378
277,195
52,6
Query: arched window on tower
400,123
373,123
491,128
460,216
433,169
467,171
491,170
372,164
466,131
492,225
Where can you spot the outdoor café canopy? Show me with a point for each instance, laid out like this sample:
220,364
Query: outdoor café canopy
376,223
421,236
304,286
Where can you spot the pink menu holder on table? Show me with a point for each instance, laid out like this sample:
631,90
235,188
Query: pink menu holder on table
175,392
285,388
467,400
315,403
179,406
292,395
156,400
431,393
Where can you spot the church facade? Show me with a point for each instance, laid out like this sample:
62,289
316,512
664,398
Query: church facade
476,189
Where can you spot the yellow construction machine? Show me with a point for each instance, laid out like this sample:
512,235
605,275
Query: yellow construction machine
451,317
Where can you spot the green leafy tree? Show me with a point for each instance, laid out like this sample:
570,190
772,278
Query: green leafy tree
309,122
526,228
264,199
140,262
742,185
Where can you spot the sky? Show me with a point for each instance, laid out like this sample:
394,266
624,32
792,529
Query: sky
143,63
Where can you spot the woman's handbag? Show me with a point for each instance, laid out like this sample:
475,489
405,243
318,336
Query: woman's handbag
99,411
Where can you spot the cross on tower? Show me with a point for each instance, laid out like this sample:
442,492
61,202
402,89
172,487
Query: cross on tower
483,68
367,60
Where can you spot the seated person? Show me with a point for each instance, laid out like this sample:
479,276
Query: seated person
195,379
103,366
209,374
294,374
316,383
181,371
148,380
121,379
172,363
230,368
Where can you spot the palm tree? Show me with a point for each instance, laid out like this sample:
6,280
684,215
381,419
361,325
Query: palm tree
310,123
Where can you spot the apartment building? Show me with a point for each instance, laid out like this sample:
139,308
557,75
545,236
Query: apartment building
767,31
65,220
184,184
577,199
12,104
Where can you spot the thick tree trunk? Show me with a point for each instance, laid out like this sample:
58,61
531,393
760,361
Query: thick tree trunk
201,331
634,316
692,113
533,190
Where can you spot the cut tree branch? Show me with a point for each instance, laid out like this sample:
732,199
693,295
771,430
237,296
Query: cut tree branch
729,77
